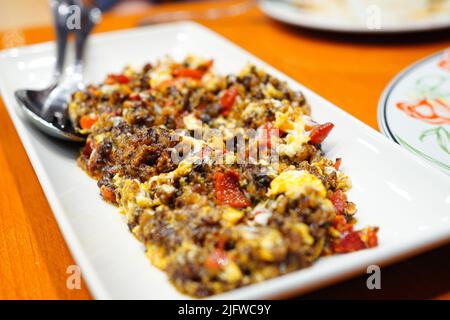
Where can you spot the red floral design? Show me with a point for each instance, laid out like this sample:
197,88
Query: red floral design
434,111
444,63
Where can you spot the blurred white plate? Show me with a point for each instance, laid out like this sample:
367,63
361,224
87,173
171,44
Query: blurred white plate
358,16
414,109
388,181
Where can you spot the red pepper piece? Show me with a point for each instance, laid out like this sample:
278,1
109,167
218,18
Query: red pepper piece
372,237
339,200
228,191
117,78
123,79
341,225
320,132
349,243
227,100
337,163
87,121
188,73
216,260
221,242
87,149
108,194
134,96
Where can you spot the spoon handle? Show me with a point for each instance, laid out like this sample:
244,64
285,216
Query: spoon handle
89,18
60,10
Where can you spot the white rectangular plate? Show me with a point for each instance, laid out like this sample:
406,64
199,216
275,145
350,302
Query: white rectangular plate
405,197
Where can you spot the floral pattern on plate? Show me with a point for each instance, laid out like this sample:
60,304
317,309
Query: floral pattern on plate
414,109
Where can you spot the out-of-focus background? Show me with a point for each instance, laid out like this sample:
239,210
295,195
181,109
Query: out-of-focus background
30,13
23,13
20,15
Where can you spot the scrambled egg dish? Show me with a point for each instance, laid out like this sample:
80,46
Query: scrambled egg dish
222,178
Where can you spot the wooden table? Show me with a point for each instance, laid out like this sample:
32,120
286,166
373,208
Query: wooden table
349,71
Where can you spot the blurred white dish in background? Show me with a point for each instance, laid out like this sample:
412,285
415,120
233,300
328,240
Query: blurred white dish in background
392,11
361,15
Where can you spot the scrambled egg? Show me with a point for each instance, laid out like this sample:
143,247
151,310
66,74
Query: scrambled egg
192,123
160,75
296,137
294,183
303,230
182,170
232,215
